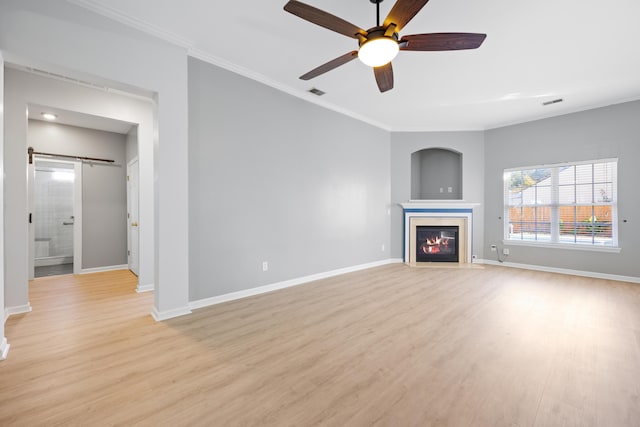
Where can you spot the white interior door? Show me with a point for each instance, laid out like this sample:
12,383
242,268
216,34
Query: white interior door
132,216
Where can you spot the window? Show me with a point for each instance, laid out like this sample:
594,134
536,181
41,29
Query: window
564,204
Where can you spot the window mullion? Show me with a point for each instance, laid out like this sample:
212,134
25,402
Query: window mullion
555,205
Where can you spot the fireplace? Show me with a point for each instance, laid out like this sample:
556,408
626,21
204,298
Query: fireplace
427,221
436,243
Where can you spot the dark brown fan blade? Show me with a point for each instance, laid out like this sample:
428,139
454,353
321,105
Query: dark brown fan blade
384,77
341,60
324,19
442,41
402,12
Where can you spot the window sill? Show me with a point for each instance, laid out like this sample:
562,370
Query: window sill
588,248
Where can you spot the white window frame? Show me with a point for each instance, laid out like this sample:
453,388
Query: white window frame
555,211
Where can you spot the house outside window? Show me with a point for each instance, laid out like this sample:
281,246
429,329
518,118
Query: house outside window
570,204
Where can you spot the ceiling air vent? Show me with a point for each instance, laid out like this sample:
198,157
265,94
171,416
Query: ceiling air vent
555,101
315,91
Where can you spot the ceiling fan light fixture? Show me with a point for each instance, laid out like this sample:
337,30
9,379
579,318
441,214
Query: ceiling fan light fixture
379,45
378,51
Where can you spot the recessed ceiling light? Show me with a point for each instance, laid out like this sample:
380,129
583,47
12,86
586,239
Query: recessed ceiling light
49,116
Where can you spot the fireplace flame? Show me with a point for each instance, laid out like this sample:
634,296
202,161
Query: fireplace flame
434,245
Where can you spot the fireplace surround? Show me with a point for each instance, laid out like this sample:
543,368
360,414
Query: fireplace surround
442,214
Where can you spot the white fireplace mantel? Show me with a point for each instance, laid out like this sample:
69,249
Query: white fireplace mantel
438,204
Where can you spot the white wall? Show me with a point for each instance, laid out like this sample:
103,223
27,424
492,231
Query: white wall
60,37
132,144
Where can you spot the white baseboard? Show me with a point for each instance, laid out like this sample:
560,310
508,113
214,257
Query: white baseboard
206,302
9,311
581,273
145,288
159,316
4,348
102,269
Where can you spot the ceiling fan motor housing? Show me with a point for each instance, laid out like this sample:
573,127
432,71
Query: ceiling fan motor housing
376,33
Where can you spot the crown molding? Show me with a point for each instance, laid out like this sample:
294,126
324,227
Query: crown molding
130,21
194,52
245,72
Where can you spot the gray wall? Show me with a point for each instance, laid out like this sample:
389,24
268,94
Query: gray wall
433,169
595,134
104,193
274,178
470,144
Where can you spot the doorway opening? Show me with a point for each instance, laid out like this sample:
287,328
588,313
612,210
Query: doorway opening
79,110
78,220
56,209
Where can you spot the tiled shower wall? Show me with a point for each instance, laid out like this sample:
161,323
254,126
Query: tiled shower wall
53,206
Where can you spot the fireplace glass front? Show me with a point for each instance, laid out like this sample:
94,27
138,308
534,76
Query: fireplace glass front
437,243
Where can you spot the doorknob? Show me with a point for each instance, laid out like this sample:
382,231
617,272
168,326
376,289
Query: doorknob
134,224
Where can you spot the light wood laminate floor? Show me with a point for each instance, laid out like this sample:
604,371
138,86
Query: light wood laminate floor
390,346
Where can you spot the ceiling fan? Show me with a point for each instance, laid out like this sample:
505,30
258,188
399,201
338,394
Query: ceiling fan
378,45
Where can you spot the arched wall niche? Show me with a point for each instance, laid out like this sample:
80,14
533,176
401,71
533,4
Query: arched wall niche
436,174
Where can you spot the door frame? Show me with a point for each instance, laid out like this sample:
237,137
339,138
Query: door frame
77,211
4,345
129,198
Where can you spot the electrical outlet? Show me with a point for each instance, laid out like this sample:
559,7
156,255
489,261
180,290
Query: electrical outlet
441,190
383,247
450,189
494,248
265,266
505,251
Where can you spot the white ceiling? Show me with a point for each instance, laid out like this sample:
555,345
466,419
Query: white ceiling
585,52
75,118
